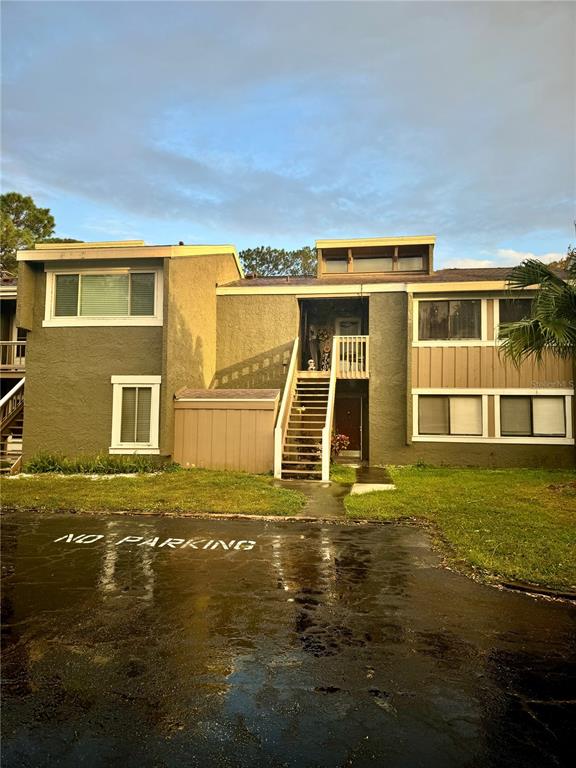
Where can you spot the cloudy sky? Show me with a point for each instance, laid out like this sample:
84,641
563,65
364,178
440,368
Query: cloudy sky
278,123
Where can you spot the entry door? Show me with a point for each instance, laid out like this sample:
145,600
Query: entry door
348,420
348,326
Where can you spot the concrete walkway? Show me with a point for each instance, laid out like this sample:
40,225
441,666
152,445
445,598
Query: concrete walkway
324,501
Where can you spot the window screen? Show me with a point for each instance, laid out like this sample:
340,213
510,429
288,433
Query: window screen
136,405
433,415
515,416
459,319
512,310
465,415
374,264
443,415
66,303
101,295
336,265
410,263
548,416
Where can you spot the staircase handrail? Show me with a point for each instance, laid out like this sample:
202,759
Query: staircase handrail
284,412
11,400
327,430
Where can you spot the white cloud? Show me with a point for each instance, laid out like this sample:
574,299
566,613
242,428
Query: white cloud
507,256
468,263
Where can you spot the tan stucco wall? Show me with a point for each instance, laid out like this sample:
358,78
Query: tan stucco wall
27,274
388,374
254,340
189,339
68,395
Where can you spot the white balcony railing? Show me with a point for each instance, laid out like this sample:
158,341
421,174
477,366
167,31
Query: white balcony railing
13,355
351,357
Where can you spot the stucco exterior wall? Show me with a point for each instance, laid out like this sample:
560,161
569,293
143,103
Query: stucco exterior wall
189,338
388,375
68,395
254,340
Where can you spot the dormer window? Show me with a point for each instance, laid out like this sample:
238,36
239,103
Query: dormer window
376,256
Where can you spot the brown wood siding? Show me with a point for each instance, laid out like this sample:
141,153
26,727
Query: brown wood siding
225,434
482,367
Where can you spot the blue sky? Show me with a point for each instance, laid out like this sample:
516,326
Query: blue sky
279,123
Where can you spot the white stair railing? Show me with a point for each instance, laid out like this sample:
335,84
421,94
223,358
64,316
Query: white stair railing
351,357
11,401
327,430
284,412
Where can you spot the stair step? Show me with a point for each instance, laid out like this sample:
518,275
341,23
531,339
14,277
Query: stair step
304,430
302,472
294,461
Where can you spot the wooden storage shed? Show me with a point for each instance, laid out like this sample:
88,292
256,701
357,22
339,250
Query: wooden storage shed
225,428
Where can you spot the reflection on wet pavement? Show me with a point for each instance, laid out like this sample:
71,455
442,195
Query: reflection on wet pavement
317,645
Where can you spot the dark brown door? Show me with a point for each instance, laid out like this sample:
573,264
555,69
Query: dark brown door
348,419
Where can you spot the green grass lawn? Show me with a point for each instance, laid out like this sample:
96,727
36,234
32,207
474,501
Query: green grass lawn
512,524
192,490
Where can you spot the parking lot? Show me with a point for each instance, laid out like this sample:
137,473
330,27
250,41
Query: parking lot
151,641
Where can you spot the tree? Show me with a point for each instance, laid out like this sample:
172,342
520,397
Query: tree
59,240
271,262
552,322
22,225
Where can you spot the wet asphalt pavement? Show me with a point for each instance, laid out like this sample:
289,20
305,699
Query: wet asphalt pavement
248,643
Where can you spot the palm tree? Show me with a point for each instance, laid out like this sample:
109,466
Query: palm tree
552,322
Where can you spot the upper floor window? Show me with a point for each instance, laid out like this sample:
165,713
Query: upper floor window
94,297
449,319
512,310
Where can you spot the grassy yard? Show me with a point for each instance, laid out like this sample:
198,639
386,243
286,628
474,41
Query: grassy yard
513,524
192,490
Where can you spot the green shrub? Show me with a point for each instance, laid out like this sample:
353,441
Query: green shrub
102,464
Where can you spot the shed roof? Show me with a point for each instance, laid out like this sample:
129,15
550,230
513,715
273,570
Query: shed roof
227,394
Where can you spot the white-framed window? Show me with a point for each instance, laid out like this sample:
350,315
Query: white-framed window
511,310
113,296
450,415
513,416
450,321
532,416
135,414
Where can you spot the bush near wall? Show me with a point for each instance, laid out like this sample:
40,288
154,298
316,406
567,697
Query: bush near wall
101,464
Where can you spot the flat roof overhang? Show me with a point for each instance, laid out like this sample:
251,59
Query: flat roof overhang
364,242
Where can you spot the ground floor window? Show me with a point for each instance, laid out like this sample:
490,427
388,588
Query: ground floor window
532,416
513,416
135,414
449,415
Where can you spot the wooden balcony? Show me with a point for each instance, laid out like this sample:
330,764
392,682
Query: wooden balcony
12,355
352,355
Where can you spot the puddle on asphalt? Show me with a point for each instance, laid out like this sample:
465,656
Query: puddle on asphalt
180,642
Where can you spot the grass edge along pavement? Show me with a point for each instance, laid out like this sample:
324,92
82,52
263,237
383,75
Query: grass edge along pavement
185,490
517,525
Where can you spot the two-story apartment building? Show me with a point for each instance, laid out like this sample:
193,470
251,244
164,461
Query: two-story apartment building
171,350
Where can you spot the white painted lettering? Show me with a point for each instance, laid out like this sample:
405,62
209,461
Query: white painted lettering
68,537
245,545
130,540
149,542
88,538
192,543
172,543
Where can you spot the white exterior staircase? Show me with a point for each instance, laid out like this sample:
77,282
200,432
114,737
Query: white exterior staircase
11,425
302,449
